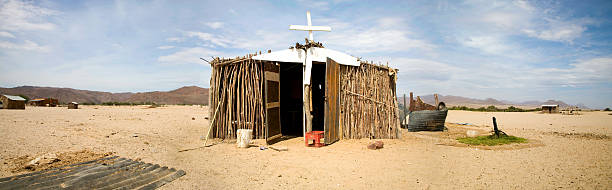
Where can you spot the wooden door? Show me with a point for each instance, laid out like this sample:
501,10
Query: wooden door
272,100
332,101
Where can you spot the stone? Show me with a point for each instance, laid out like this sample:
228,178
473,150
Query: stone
44,159
372,146
471,133
34,161
379,144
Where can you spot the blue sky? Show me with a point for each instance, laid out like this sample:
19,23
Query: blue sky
511,50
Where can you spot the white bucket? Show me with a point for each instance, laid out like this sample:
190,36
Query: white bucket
243,137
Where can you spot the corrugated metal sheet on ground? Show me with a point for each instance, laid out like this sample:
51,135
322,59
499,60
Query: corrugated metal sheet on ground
105,173
427,120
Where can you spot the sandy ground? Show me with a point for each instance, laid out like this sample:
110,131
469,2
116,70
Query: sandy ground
575,151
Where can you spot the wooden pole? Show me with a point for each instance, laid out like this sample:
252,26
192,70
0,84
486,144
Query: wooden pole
411,108
495,127
404,115
436,97
211,123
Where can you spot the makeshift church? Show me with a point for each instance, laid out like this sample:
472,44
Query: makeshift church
301,89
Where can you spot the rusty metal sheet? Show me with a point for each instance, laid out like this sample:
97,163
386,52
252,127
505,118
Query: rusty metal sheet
105,173
332,101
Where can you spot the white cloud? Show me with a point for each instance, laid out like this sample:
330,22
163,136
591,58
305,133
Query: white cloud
255,41
188,55
390,21
175,39
18,16
424,70
583,72
214,39
524,5
215,25
263,40
165,47
389,35
488,44
435,76
558,31
28,45
505,19
519,18
6,34
318,5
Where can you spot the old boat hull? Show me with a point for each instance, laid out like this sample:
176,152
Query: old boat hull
427,120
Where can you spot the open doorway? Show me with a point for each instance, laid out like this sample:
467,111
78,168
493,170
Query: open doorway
318,96
291,99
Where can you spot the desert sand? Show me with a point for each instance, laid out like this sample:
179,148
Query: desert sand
569,151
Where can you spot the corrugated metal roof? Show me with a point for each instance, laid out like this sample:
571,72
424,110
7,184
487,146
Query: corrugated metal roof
18,98
550,105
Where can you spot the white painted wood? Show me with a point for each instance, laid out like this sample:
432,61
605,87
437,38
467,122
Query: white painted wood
310,27
308,68
315,54
321,55
288,55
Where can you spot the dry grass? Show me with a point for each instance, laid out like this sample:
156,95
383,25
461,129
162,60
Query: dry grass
491,140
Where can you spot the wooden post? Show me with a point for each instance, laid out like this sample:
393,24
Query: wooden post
404,115
210,126
436,97
495,128
411,108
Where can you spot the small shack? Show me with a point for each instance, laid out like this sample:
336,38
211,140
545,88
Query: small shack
345,97
50,102
12,102
550,108
73,105
36,102
301,89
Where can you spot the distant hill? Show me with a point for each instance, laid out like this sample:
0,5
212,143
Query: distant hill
472,102
183,95
197,95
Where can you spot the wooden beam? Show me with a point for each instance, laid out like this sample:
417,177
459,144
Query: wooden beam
411,108
436,97
310,28
210,126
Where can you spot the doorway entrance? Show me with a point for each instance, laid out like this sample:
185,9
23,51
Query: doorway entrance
284,100
317,86
291,99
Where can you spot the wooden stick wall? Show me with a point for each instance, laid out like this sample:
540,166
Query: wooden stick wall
237,86
368,102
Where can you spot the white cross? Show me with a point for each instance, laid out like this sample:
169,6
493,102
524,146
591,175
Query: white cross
310,27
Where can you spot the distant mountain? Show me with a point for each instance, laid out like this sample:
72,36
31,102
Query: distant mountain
456,100
472,102
183,95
